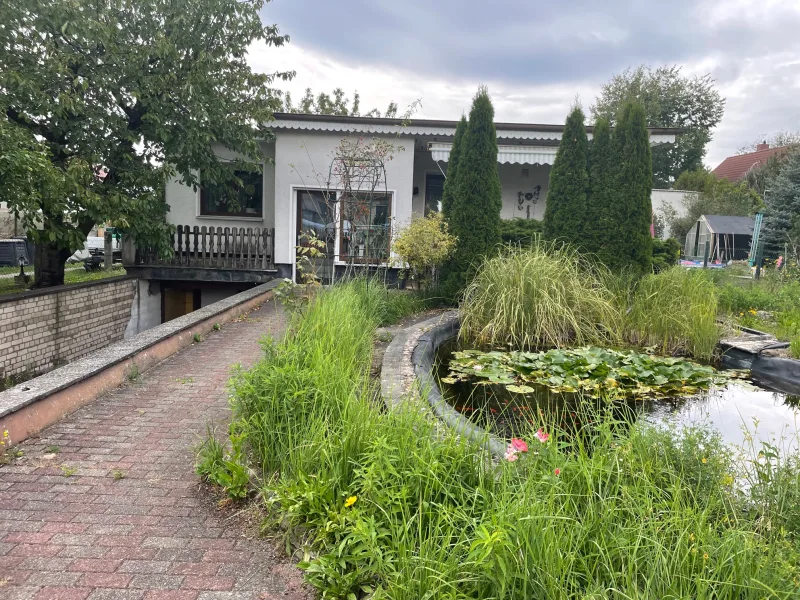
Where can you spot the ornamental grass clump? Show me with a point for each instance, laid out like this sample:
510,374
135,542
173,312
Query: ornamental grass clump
543,296
675,312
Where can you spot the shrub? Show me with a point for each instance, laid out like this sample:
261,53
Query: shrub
543,296
520,232
424,245
475,215
674,311
666,253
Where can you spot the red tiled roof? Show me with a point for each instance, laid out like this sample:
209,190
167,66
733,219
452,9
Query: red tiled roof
735,168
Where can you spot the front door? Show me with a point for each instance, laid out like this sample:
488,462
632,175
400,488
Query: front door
316,221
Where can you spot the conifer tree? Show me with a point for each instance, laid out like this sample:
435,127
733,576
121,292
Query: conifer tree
782,217
599,233
569,183
633,211
452,168
475,210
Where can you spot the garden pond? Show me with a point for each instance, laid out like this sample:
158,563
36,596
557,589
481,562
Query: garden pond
507,392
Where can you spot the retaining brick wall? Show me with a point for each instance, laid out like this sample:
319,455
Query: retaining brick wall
43,329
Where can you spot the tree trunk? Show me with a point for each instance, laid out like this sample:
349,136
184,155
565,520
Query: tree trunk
49,265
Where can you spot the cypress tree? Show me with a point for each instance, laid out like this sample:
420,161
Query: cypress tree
565,210
633,245
476,203
599,234
452,168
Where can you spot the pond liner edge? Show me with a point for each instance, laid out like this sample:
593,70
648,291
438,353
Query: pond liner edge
423,358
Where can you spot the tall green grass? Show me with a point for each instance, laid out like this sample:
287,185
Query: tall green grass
389,503
674,311
545,295
551,296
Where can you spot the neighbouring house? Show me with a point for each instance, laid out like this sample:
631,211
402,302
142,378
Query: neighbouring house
8,224
736,168
728,238
669,202
219,251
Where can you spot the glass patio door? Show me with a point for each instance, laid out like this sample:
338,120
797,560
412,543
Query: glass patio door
316,219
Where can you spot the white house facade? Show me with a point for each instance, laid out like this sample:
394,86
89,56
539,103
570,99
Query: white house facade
299,177
220,249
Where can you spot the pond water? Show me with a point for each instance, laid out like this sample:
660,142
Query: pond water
733,410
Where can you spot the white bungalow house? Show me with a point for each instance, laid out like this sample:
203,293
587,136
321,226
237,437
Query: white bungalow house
219,251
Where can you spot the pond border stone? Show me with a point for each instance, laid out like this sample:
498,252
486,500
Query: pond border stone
408,369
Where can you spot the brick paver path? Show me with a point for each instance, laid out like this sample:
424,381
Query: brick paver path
151,532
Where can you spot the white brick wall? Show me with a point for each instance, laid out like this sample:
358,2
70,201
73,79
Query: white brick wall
41,331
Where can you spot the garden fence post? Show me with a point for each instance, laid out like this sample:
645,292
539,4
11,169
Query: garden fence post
705,255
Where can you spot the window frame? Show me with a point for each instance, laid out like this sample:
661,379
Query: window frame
202,197
343,258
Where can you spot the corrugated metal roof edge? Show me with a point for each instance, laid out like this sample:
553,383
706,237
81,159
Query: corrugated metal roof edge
443,123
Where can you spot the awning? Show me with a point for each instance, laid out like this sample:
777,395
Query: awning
519,155
526,155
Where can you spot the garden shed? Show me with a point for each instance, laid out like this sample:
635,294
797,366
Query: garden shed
728,238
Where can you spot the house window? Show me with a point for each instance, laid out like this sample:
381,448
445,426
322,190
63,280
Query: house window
434,188
247,199
365,228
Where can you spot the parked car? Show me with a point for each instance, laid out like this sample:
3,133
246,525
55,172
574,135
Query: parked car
96,247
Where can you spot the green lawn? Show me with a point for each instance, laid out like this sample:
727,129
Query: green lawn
7,285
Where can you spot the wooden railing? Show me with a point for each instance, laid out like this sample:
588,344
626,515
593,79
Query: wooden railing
242,248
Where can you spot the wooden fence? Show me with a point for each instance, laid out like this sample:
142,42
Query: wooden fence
243,248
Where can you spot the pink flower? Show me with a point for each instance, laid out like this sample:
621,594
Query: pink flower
519,445
542,436
557,472
511,455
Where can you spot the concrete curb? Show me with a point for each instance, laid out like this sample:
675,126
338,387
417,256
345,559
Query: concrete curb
408,366
31,406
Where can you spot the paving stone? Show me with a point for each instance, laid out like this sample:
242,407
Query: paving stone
154,534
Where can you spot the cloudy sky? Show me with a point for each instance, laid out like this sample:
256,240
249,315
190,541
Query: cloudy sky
537,57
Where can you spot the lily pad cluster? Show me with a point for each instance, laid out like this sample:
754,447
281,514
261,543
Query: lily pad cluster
594,372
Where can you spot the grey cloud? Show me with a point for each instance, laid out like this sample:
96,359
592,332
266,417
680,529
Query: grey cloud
564,43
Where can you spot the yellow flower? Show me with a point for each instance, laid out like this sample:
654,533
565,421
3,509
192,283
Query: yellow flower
5,433
728,479
350,501
753,312
705,555
691,537
704,460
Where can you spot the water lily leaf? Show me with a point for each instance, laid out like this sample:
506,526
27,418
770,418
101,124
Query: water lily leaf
520,389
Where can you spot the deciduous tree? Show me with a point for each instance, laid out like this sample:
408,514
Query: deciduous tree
117,97
565,211
670,99
713,197
335,103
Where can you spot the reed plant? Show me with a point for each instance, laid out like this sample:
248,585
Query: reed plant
674,311
389,504
546,295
